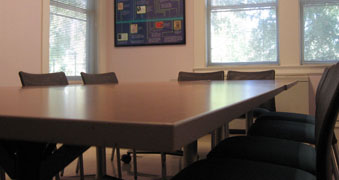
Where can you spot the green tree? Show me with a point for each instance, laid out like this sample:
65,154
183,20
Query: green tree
321,32
243,35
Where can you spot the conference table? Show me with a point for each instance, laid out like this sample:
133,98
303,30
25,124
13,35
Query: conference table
155,116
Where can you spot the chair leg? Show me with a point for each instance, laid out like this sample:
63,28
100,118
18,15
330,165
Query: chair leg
226,130
81,166
77,167
219,134
336,152
118,161
135,165
213,140
2,174
113,152
163,165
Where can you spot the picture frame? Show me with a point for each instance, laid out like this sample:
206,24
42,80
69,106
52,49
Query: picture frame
149,22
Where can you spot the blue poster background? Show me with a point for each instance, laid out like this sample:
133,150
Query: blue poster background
149,22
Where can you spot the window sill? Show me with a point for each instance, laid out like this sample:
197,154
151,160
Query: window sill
301,70
74,79
75,82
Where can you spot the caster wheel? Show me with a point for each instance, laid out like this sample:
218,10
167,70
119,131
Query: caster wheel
126,158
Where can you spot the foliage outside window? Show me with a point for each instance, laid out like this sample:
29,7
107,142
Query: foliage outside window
242,32
320,31
70,30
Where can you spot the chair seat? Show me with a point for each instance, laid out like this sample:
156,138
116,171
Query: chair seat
260,111
237,169
301,132
270,150
287,116
257,112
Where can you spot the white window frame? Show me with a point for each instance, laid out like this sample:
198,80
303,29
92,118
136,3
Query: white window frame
98,64
302,25
209,9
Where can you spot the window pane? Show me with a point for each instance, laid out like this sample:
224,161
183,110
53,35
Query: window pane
238,2
58,11
68,40
243,36
74,3
321,33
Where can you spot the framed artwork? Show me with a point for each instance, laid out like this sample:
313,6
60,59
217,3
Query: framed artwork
149,22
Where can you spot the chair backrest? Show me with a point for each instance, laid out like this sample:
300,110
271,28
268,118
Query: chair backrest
50,79
191,76
260,75
326,115
104,78
320,84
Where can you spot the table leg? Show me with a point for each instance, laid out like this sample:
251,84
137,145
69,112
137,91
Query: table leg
81,167
190,153
213,141
101,162
118,161
220,134
135,164
163,166
101,165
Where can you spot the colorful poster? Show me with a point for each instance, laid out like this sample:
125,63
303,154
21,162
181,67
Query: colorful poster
149,22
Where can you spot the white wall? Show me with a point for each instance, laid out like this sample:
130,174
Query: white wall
150,63
20,39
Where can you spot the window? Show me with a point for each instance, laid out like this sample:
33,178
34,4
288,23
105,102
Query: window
320,22
71,41
242,32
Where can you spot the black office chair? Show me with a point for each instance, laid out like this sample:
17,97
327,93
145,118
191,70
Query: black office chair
104,78
287,125
255,157
295,117
287,117
50,79
191,76
293,126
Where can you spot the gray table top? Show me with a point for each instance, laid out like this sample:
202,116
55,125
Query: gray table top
152,116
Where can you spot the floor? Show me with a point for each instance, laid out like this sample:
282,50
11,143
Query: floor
149,165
